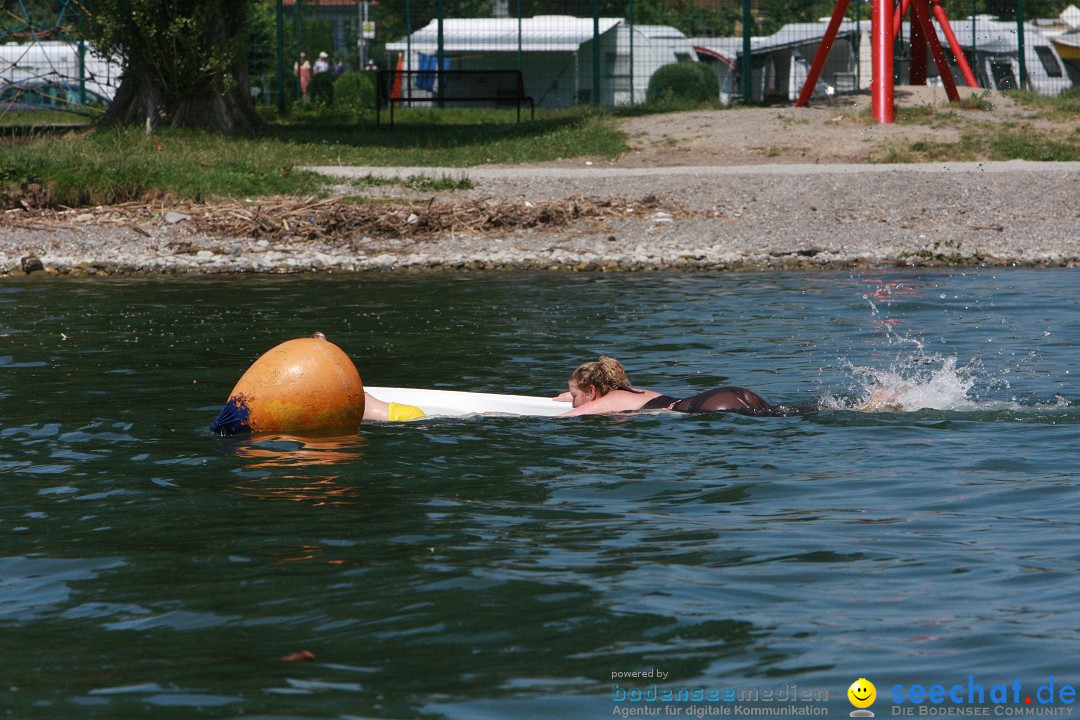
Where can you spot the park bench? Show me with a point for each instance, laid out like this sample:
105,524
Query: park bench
505,88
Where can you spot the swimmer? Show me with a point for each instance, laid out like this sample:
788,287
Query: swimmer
885,400
376,409
603,387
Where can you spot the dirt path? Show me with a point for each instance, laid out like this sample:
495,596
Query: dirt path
839,131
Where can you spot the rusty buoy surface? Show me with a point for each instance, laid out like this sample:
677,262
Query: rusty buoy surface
306,384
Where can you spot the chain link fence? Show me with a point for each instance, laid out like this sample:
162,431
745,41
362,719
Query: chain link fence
44,66
570,52
606,52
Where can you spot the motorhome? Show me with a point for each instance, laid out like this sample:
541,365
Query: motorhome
554,52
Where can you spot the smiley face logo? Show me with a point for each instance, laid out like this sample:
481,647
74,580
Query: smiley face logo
862,694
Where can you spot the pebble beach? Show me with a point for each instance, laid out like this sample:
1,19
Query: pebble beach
679,217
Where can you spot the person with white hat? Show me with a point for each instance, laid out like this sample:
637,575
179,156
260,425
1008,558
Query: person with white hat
322,64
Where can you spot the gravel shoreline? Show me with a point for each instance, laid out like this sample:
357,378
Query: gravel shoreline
705,218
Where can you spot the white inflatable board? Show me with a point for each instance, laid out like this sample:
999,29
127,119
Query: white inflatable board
455,403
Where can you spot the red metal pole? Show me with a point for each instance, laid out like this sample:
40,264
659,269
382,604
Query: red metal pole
917,71
954,45
881,88
822,53
898,18
921,11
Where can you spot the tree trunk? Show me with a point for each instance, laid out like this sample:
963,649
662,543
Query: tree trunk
158,91
141,100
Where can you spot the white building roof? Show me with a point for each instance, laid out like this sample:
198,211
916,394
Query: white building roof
726,48
991,34
543,33
659,32
790,35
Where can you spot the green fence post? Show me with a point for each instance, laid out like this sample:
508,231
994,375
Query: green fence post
440,51
408,46
858,44
281,57
296,50
631,14
1020,44
974,42
82,72
747,63
596,53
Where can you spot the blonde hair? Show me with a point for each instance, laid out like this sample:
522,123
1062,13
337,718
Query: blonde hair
605,374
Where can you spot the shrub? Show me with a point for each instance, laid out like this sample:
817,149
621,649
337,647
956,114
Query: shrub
356,90
685,83
322,88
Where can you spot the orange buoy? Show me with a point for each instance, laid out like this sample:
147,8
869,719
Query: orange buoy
300,385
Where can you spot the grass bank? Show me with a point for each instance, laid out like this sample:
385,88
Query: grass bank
31,119
111,166
1039,128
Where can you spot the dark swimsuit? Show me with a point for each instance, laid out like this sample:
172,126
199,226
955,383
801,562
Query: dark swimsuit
729,398
724,398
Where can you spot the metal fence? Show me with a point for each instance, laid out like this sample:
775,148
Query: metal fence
571,52
45,66
605,52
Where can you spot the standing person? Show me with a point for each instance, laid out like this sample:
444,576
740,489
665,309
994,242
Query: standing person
322,64
339,68
302,70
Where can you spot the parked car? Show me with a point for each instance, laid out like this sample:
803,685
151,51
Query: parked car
41,94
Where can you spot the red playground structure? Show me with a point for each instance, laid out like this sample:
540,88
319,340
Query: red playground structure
885,24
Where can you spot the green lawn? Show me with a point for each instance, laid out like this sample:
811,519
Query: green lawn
26,119
108,166
1063,108
104,166
984,137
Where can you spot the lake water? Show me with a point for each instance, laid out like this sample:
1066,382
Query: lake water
497,567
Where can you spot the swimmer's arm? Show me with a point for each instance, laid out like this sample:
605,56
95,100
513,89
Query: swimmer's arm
885,400
610,403
564,397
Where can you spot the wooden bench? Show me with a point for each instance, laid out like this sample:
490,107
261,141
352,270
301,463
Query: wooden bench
503,87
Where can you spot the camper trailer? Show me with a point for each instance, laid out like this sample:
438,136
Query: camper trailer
781,62
993,50
555,53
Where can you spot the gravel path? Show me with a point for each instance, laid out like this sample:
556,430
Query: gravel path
764,216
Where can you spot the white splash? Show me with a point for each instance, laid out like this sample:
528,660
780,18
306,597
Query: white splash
915,379
919,383
918,380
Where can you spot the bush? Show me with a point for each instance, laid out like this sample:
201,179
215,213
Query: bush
685,83
356,90
322,88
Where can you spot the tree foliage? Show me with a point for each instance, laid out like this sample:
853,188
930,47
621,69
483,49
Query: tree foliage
695,19
184,61
30,15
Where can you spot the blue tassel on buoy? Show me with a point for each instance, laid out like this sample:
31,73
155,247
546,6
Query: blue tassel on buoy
233,418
